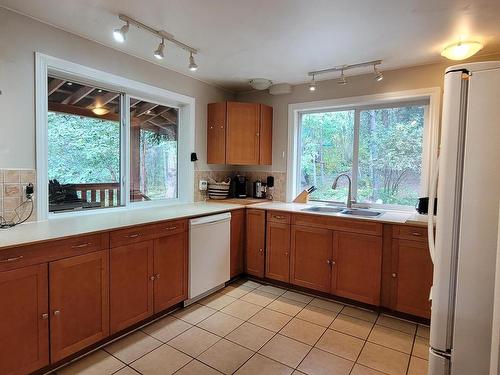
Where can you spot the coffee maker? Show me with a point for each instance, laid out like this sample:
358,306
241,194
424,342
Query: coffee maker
239,186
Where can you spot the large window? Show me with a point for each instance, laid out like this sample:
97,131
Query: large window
380,147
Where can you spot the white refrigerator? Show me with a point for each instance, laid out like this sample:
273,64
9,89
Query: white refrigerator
464,250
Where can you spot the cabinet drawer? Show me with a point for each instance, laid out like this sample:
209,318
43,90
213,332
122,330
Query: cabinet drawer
146,232
336,223
279,217
52,250
406,232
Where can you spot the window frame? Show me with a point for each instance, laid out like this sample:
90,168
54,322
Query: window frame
46,65
377,101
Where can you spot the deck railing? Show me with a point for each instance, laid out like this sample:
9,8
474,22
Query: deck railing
107,194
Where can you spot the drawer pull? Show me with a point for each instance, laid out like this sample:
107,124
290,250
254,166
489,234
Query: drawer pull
261,251
57,312
279,217
8,260
134,235
416,234
170,228
152,278
86,244
394,275
45,316
157,276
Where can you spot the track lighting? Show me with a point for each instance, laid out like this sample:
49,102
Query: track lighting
120,34
159,51
342,80
379,76
192,65
312,85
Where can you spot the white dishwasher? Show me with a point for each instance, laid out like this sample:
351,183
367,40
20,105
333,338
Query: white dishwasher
209,255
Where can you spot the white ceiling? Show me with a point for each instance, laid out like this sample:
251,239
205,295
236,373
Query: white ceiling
279,39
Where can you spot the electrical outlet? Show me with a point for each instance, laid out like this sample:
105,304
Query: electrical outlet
203,185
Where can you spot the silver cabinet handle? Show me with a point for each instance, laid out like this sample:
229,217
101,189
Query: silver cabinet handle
416,234
394,275
152,278
157,276
279,217
330,262
57,312
81,245
261,251
170,228
134,235
12,259
45,316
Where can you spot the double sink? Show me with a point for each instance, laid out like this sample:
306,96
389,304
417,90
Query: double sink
343,211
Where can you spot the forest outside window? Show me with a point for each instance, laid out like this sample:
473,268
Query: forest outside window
380,147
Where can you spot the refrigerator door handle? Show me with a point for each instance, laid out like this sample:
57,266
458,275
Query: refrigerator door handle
430,211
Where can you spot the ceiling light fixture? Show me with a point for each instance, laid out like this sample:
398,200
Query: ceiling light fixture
379,76
159,51
312,85
192,65
100,111
260,83
342,80
461,50
121,34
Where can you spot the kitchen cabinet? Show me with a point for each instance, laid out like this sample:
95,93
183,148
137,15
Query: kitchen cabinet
237,242
131,284
311,255
278,246
255,242
79,303
24,323
357,267
239,133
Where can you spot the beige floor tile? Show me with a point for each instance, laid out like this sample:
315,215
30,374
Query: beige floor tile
194,314
197,368
270,319
285,350
241,309
391,338
260,365
133,346
127,371
225,356
286,306
318,362
340,344
250,284
355,312
421,348
220,324
418,366
97,363
236,291
272,289
217,301
299,297
250,336
317,315
423,331
384,359
327,305
352,326
303,331
167,328
164,360
363,370
399,324
258,297
194,341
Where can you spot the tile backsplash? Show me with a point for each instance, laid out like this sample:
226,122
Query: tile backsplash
12,192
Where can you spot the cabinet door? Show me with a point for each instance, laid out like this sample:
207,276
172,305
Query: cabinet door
311,254
255,242
357,266
413,277
242,133
278,251
266,135
237,241
171,270
24,323
131,284
79,303
216,133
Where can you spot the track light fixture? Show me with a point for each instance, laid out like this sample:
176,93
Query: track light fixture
342,80
312,85
379,76
342,68
159,53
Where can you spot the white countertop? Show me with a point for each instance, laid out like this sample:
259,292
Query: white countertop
71,225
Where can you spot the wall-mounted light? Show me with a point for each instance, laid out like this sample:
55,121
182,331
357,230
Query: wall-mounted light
192,65
121,34
159,54
461,50
312,85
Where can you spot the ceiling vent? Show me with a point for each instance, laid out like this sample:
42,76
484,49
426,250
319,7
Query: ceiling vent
280,89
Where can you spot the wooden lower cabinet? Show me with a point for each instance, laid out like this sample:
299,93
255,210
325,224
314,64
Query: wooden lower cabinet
357,267
278,251
311,254
131,284
79,303
24,320
170,270
237,242
412,276
255,242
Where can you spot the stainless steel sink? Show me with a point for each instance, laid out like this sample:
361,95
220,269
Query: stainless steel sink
323,209
357,212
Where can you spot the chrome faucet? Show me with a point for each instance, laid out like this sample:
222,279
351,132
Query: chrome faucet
349,194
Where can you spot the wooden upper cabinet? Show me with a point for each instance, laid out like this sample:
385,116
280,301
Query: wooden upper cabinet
24,320
255,242
311,254
79,303
266,135
278,251
131,284
216,133
357,267
170,270
237,242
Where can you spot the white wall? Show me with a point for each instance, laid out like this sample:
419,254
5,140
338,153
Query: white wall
21,36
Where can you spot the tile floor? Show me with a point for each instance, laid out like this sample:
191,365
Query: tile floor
250,328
